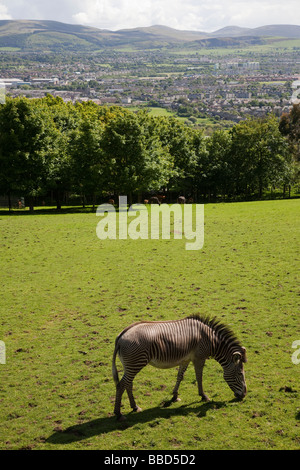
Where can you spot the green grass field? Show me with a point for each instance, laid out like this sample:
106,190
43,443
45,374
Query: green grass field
206,124
66,295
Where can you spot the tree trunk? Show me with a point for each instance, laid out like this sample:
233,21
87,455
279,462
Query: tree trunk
9,201
58,200
260,189
31,205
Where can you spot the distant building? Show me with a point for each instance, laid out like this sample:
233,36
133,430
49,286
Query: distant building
251,65
127,100
296,92
44,81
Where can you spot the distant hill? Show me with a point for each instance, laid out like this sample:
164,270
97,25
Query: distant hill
226,42
163,33
55,36
230,31
276,30
34,35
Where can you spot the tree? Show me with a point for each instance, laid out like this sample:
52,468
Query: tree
179,141
25,139
289,126
259,155
86,157
217,166
65,120
134,158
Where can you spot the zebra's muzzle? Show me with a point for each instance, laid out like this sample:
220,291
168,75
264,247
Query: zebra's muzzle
241,395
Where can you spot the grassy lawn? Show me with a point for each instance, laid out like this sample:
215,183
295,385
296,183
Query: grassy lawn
66,295
206,123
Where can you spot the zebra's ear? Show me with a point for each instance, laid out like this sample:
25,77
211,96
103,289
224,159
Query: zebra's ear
237,357
244,357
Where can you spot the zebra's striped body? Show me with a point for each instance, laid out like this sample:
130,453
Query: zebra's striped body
177,343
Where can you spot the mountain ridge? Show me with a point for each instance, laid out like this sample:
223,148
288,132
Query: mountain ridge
282,30
47,35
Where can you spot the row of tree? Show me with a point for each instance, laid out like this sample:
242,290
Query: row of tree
47,145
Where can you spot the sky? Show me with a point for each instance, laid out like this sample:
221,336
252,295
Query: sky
196,15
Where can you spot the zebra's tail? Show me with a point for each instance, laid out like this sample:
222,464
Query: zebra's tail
114,368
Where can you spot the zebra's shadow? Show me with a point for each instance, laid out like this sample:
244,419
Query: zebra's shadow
100,426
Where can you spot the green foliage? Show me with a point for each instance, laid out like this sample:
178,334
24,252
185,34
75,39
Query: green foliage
49,145
289,126
259,155
26,141
214,166
290,123
86,157
180,141
134,158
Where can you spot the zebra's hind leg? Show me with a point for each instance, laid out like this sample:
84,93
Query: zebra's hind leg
120,387
131,398
180,375
126,384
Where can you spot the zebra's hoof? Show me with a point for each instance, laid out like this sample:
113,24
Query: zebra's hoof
121,418
137,409
175,398
205,398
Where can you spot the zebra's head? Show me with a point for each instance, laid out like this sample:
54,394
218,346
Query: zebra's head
234,373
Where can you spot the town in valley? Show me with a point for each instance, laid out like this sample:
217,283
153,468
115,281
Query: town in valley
209,88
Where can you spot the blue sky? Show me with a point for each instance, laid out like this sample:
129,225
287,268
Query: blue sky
198,15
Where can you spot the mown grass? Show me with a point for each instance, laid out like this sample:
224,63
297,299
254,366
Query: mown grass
66,295
206,123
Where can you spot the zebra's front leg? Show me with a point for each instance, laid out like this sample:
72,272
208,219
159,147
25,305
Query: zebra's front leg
199,365
180,375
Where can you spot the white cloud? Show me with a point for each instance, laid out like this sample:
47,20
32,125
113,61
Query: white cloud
201,15
103,13
4,15
207,15
118,14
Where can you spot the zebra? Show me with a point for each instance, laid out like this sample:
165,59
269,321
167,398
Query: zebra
167,344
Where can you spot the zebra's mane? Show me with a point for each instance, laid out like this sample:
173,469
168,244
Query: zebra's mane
222,331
